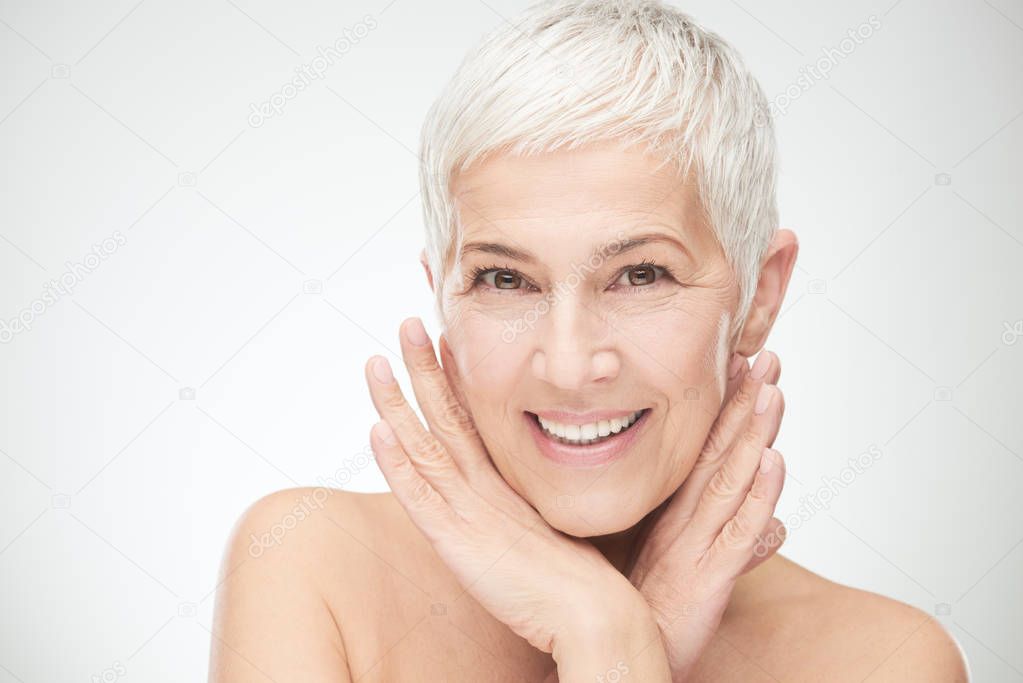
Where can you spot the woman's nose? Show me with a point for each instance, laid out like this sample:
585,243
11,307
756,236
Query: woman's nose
574,348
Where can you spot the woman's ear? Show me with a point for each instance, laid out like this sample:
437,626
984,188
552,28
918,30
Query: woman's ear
775,272
426,267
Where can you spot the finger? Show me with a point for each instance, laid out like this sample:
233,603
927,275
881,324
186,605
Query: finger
427,508
724,493
735,415
429,456
735,544
737,370
766,370
481,471
768,542
447,418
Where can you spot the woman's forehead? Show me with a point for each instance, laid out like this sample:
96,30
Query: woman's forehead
595,176
577,200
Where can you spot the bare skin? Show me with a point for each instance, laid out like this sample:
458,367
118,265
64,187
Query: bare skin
355,592
402,587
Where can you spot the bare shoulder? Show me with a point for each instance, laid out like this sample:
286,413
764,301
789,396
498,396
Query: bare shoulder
297,573
349,544
801,626
324,584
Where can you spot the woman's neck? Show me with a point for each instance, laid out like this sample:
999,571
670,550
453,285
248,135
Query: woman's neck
621,547
618,547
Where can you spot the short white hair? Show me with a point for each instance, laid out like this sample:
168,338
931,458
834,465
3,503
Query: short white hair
568,72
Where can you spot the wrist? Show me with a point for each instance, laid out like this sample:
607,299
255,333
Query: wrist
606,618
617,639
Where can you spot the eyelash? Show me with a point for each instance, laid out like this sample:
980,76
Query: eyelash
476,276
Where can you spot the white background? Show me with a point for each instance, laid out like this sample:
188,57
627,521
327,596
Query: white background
132,116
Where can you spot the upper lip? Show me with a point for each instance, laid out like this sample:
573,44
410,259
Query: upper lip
566,417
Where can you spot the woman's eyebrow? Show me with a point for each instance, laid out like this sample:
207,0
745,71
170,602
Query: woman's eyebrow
612,248
633,242
499,250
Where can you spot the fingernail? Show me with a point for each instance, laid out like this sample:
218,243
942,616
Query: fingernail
385,433
763,399
766,461
416,333
760,367
382,370
733,369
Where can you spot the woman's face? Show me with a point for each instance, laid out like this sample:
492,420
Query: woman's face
589,281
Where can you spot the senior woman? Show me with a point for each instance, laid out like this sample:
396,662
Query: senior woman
590,493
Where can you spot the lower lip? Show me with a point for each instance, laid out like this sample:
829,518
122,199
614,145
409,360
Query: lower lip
590,455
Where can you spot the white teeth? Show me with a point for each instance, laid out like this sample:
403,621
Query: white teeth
590,432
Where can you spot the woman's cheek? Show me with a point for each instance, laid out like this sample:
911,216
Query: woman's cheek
686,343
488,357
662,327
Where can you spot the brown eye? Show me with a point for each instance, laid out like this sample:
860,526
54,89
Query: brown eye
505,279
641,275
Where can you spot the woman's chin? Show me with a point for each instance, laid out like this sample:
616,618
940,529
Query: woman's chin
588,516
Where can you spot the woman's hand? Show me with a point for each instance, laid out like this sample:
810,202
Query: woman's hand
719,523
549,588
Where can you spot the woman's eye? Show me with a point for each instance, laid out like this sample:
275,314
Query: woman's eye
501,279
634,277
638,276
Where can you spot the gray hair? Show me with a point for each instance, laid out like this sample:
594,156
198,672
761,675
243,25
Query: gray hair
568,72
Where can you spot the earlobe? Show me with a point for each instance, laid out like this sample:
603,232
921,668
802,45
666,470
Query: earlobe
775,274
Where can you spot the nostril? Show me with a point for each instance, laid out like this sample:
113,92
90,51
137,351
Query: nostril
575,369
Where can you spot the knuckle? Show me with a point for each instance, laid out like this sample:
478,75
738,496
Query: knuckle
404,468
714,445
744,395
394,400
736,533
421,493
722,485
456,417
429,450
423,363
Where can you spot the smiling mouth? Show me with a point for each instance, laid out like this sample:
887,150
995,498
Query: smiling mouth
587,434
